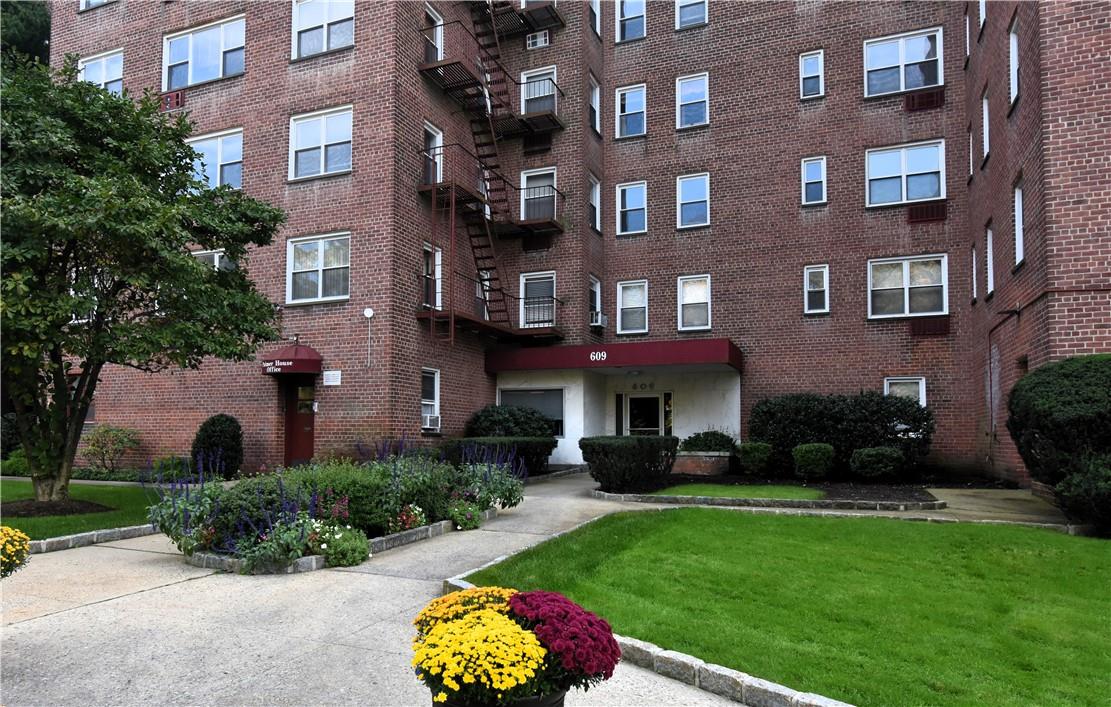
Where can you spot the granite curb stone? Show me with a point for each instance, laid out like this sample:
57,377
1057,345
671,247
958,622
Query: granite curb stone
93,537
843,504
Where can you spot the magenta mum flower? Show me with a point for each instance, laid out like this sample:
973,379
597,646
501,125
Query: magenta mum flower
581,642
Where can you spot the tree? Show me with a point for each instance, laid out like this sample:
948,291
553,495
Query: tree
101,208
25,29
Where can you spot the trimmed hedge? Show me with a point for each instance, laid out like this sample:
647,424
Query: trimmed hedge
876,462
813,460
1086,493
630,464
755,457
532,452
508,421
708,441
218,446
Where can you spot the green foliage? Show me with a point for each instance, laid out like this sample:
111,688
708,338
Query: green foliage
755,458
186,514
1085,494
341,545
284,541
171,468
629,464
532,452
1060,414
101,210
366,487
106,445
218,446
489,485
813,460
16,464
848,422
250,507
465,515
876,462
9,435
708,441
25,30
508,421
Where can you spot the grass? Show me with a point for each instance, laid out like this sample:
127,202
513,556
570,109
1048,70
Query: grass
130,504
867,610
749,491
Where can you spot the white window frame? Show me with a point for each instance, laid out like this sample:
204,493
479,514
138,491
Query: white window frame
705,78
1013,68
439,146
967,34
219,253
683,3
438,33
824,269
906,260
166,39
90,4
323,115
902,60
679,200
920,380
903,173
621,286
596,103
821,54
617,110
971,153
319,238
596,5
679,302
218,137
434,403
802,178
985,121
525,277
989,259
983,11
437,274
532,73
595,198
327,22
1017,201
101,57
618,190
596,294
525,174
975,267
538,40
618,7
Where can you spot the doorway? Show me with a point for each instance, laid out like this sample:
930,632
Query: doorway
644,414
300,420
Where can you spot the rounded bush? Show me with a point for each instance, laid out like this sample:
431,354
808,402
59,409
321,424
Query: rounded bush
876,462
106,445
509,421
708,441
755,458
1085,494
629,464
813,460
218,446
16,464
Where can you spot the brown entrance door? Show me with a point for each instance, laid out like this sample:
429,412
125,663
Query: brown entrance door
300,420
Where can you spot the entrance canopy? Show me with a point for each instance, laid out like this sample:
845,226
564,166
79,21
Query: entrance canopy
296,358
702,353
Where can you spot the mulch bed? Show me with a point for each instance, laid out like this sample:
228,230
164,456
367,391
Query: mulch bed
29,508
835,491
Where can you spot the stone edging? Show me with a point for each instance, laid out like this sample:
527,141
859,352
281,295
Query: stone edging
213,561
581,469
93,537
732,684
839,505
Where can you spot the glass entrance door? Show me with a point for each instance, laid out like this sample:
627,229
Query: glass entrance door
645,415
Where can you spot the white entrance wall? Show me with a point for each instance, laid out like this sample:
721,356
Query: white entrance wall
571,382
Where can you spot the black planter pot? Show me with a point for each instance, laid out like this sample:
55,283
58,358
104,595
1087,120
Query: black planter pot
553,700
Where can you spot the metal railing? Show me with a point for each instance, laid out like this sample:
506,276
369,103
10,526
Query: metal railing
540,203
537,312
468,295
539,95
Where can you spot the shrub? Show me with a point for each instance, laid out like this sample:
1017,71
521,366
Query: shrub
410,516
16,464
530,452
171,468
876,462
1060,414
105,446
341,545
813,460
365,486
282,542
629,464
465,515
708,441
187,515
9,435
509,421
1085,494
252,507
15,550
489,485
218,446
755,457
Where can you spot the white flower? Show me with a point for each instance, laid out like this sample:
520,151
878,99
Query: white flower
323,546
339,535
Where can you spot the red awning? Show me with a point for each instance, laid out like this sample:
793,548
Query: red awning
296,358
634,354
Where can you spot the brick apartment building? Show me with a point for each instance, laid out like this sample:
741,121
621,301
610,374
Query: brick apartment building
637,217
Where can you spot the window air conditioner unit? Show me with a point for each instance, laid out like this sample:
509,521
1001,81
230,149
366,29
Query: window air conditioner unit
598,319
430,422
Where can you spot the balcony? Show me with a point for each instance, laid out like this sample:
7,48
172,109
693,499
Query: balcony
536,109
514,17
471,305
452,59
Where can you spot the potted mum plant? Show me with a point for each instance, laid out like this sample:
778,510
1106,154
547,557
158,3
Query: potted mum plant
490,646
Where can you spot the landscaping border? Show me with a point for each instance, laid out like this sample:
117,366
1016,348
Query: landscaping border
832,504
92,537
540,478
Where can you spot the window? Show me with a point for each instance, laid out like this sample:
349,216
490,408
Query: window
547,402
434,155
971,153
690,13
537,40
207,53
596,16
1013,43
694,302
433,36
90,4
538,90
900,287
538,194
319,268
814,180
432,277
983,8
812,82
913,388
630,20
104,70
594,208
989,259
632,305
815,289
595,106
630,111
220,158
974,269
322,25
594,300
1020,226
214,259
692,201
967,34
632,208
985,120
907,173
430,399
692,101
537,299
320,143
903,62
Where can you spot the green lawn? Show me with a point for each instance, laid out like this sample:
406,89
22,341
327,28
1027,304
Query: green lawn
869,610
130,502
749,491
